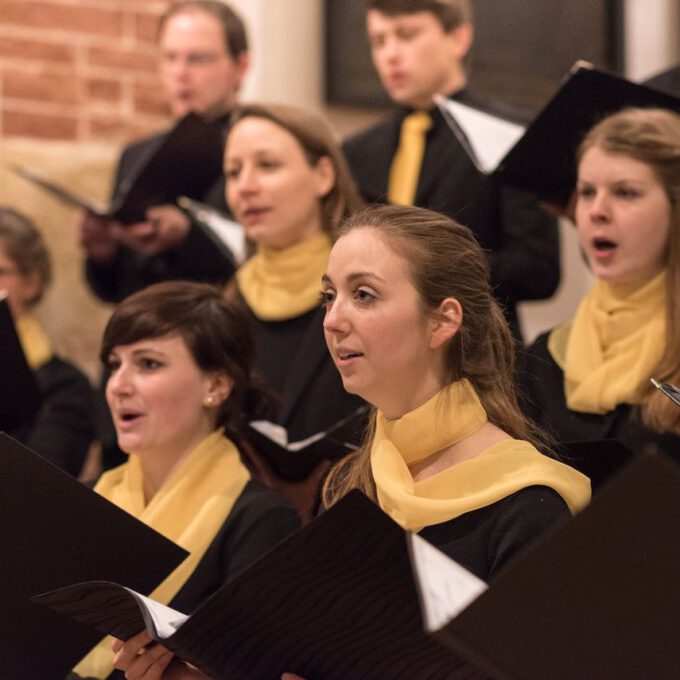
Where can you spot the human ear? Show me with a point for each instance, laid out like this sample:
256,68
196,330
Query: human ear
461,38
324,176
446,322
218,389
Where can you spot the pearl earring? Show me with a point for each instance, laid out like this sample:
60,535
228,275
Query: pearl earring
208,401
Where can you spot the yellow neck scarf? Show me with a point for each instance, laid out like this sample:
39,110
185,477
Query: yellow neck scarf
609,352
34,340
189,509
408,159
283,284
497,472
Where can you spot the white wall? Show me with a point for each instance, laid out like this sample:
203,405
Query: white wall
287,51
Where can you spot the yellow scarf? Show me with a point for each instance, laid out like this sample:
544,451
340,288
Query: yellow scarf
283,284
497,472
189,509
609,351
34,340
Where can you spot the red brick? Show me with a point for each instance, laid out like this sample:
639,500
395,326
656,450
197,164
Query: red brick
149,98
113,127
40,86
18,48
17,123
79,18
146,26
122,59
103,89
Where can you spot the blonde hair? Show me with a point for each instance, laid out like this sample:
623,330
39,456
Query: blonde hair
445,260
652,136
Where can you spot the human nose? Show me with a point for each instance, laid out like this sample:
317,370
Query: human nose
599,207
247,181
120,382
336,320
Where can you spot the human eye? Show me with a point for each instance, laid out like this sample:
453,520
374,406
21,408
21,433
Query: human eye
112,364
364,296
407,32
326,297
232,172
149,363
200,58
627,192
585,191
269,164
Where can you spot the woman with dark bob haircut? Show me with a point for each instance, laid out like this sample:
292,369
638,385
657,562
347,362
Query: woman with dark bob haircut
180,358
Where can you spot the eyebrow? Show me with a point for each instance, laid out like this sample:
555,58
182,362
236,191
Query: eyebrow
354,276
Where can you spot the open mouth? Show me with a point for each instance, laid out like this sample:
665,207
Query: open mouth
603,245
344,356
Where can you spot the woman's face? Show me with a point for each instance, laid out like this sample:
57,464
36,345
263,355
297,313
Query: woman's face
272,189
375,327
623,217
21,288
160,400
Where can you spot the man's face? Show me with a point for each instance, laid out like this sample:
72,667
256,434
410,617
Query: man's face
415,57
197,71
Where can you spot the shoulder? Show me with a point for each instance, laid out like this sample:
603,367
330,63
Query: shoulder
376,133
59,373
140,147
259,504
521,518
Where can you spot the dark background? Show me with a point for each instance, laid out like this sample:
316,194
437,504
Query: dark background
522,49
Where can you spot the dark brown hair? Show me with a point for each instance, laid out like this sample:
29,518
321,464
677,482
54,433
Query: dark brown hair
216,332
317,140
24,245
449,13
652,137
235,36
445,260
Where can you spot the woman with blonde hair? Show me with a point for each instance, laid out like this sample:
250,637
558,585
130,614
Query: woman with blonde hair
589,378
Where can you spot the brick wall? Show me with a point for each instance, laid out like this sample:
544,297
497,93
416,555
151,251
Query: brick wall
79,70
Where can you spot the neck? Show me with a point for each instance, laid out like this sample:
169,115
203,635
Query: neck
399,404
158,465
449,87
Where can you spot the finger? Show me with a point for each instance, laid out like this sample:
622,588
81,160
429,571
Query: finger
151,664
126,652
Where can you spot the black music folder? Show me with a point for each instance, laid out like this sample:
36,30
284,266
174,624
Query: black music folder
20,398
542,159
334,601
597,598
597,459
187,161
54,531
296,460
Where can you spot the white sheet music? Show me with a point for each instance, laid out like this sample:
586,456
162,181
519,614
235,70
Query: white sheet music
445,587
165,619
488,137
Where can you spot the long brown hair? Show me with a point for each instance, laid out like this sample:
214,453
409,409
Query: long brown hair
317,140
652,136
445,260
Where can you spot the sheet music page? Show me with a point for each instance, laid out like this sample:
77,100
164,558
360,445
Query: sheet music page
488,137
445,587
165,619
279,435
231,233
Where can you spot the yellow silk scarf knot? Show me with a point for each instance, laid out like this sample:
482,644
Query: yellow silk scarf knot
495,473
609,351
408,159
283,284
34,341
189,509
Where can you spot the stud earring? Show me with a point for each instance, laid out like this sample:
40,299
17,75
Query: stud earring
208,401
